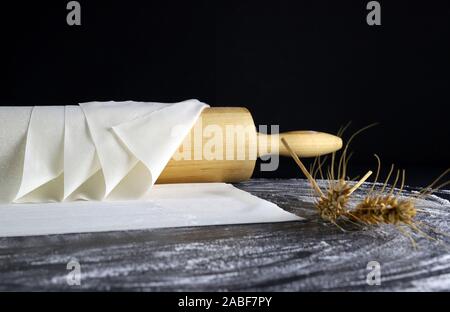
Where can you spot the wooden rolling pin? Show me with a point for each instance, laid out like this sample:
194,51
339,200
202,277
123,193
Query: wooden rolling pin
198,160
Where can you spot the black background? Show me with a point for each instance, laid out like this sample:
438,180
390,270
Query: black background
299,64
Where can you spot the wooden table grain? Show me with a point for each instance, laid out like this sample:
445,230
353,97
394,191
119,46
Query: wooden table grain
309,255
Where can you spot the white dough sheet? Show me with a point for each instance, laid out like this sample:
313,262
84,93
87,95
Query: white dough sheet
94,151
94,166
167,205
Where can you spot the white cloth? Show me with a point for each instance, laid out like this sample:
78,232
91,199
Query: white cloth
169,205
95,151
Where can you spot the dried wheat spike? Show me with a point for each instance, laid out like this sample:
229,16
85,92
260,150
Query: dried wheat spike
388,208
385,209
332,204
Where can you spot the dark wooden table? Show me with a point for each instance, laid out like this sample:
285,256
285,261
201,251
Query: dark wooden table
308,255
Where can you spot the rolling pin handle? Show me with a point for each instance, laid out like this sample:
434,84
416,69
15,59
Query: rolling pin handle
303,143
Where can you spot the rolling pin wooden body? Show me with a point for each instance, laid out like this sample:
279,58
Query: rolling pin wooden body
223,146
